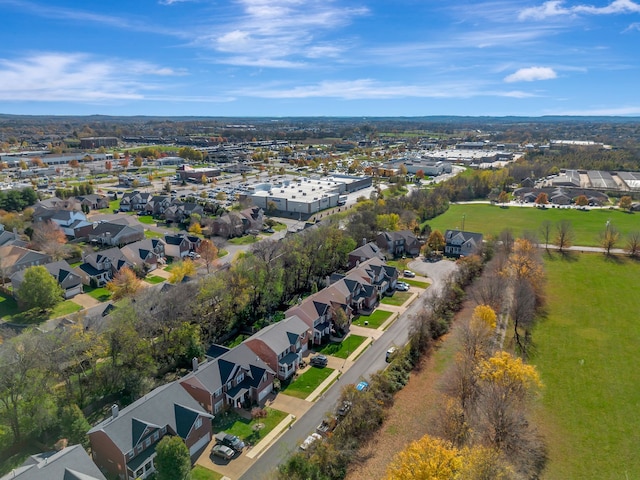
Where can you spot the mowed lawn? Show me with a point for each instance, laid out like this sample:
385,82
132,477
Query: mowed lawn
587,352
306,383
492,219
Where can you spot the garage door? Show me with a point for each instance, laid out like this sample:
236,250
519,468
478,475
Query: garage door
265,392
200,444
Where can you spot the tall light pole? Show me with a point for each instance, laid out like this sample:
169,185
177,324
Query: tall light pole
463,217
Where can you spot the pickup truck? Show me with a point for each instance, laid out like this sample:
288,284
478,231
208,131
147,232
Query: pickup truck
327,426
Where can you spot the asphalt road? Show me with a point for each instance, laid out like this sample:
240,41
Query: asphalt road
372,360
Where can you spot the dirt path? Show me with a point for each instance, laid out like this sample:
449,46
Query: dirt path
414,407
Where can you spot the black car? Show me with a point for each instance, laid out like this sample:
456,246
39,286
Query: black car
319,361
230,441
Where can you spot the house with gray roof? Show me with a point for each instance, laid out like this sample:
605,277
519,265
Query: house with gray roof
100,267
14,258
462,244
236,378
11,238
399,243
70,463
148,253
125,443
364,253
111,233
282,345
65,275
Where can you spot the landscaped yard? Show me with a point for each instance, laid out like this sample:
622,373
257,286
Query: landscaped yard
200,473
248,430
154,279
10,312
492,219
344,348
147,220
246,240
152,234
306,383
397,299
416,283
374,320
101,294
587,353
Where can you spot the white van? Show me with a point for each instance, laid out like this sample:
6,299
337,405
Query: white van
390,353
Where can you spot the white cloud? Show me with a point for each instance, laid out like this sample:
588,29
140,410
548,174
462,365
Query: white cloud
554,8
632,27
531,74
76,77
278,33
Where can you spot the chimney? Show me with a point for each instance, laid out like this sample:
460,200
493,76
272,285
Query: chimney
114,411
364,242
194,364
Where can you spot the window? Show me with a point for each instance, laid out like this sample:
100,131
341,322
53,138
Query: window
240,378
147,442
217,407
229,385
139,472
130,454
218,392
139,448
198,422
156,436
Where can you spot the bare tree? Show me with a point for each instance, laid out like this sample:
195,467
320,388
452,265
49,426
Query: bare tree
506,240
523,308
608,238
49,237
564,234
209,253
633,244
490,291
546,229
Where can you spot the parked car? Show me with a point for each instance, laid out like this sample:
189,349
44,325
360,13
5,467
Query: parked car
327,426
310,440
402,287
390,353
409,273
223,451
319,361
362,386
344,408
230,441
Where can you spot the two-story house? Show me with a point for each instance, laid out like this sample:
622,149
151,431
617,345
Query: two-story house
461,244
399,243
14,258
134,201
111,233
148,252
179,245
363,253
100,267
125,444
234,379
69,221
93,201
281,345
65,275
157,205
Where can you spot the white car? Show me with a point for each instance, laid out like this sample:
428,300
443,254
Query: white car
310,440
409,273
402,287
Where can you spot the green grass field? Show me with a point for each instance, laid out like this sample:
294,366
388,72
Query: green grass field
10,312
154,279
344,348
147,219
374,320
246,240
306,383
587,354
492,219
102,294
246,429
416,283
200,473
397,299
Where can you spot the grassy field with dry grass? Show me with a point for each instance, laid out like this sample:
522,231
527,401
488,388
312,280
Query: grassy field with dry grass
414,408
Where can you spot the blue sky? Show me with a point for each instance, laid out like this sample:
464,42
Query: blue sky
320,58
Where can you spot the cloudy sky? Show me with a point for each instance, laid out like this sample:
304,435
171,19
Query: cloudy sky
320,57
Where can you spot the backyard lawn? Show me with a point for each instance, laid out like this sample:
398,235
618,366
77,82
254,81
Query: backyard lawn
344,348
492,219
154,279
374,320
10,312
251,431
147,220
397,299
306,383
152,234
587,355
